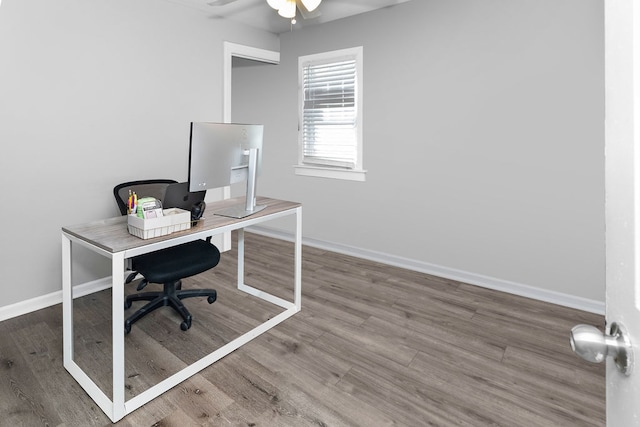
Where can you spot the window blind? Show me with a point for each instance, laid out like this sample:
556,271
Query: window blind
329,114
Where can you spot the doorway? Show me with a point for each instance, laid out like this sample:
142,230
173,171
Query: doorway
236,55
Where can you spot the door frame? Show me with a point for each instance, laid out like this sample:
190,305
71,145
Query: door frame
230,51
236,50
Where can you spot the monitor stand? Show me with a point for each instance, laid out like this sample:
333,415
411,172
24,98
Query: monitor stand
249,207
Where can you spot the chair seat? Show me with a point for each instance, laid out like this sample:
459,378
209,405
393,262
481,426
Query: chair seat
177,262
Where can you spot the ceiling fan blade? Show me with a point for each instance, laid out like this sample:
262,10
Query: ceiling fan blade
215,3
305,13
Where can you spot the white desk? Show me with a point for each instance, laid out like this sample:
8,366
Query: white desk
111,239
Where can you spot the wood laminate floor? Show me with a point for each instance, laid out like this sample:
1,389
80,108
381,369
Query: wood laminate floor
373,345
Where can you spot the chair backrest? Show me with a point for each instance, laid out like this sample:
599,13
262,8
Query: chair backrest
144,188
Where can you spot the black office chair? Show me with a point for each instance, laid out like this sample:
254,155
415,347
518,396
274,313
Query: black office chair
166,266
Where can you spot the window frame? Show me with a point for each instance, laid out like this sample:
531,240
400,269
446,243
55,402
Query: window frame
357,172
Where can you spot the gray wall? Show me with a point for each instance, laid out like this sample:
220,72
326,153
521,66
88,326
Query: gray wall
93,93
483,135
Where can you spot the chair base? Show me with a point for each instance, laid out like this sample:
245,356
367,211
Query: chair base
172,295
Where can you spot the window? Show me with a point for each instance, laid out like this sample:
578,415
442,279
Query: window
330,122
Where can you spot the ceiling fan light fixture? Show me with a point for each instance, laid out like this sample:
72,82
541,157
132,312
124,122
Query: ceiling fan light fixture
288,9
276,4
310,5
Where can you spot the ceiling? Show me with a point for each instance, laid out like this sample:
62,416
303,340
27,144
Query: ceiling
258,14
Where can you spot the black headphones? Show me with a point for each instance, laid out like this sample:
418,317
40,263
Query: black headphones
197,210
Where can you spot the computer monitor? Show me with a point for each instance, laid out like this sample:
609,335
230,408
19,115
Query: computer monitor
221,154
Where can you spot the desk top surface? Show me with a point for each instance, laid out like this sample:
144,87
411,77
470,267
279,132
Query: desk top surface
113,236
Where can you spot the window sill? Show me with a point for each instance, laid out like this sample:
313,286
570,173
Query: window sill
334,173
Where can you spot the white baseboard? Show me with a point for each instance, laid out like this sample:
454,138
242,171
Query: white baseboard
592,306
44,301
546,295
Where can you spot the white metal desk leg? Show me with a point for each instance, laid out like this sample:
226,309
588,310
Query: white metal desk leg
298,261
117,294
67,303
240,258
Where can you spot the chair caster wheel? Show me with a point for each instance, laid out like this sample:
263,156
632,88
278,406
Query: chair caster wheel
211,300
127,327
127,304
185,325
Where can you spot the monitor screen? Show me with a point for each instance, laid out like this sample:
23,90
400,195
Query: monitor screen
218,153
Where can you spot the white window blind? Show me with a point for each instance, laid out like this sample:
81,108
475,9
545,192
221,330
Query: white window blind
329,133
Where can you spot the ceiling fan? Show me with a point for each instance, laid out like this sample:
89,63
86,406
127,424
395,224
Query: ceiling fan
286,8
